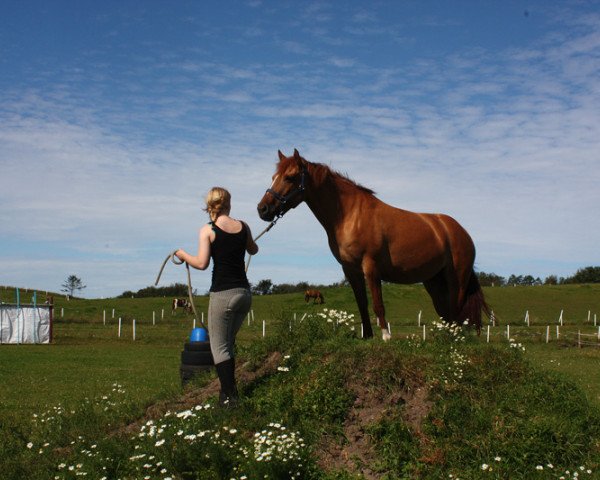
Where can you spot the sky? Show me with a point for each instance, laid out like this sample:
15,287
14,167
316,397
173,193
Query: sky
117,117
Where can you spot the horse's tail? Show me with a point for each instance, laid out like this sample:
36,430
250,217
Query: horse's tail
474,303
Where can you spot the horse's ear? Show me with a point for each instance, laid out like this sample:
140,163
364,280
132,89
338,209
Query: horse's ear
296,155
281,155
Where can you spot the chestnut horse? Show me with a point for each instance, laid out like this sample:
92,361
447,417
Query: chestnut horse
376,242
315,295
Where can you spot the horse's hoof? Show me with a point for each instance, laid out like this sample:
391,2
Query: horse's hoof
385,335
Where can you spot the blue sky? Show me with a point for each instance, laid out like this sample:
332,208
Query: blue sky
117,117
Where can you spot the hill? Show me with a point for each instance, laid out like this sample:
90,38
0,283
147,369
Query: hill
317,403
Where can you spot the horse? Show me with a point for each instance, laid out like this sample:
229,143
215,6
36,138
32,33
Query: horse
181,302
315,295
376,242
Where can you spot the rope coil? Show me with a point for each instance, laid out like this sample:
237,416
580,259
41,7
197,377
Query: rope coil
176,261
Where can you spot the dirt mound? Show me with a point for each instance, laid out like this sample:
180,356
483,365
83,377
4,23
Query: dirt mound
196,396
356,451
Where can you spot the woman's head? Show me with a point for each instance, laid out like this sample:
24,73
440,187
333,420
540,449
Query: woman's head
218,202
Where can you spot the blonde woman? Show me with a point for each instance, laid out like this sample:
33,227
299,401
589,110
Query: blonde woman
225,240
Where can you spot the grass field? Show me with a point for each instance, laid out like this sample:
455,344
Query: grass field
86,352
87,358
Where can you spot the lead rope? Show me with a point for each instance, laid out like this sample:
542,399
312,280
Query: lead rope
271,225
176,261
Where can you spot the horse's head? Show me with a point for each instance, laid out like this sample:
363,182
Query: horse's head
287,189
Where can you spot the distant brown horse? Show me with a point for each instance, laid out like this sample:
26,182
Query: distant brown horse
315,295
377,242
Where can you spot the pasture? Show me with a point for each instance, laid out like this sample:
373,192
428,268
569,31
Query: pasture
88,362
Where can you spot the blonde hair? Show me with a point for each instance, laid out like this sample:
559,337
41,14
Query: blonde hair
218,202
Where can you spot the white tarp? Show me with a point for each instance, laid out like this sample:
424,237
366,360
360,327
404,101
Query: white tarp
25,324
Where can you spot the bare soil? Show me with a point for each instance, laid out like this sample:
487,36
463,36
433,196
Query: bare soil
355,451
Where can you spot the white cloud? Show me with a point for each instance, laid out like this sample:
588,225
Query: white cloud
505,141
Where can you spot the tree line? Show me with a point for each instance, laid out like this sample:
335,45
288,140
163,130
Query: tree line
267,287
583,275
173,290
263,287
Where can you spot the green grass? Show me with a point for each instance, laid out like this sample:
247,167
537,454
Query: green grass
530,408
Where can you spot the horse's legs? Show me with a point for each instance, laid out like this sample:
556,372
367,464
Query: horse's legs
437,287
357,282
374,283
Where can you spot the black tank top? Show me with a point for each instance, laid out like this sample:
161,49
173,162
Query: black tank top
227,252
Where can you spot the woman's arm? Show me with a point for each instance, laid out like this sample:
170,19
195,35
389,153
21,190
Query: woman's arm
202,260
251,246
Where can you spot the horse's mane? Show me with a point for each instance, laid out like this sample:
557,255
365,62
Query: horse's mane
322,172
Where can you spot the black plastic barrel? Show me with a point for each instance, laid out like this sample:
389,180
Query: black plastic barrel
196,358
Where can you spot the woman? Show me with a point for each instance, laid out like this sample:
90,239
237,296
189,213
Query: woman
226,241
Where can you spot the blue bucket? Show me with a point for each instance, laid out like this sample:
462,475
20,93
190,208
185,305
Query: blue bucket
198,335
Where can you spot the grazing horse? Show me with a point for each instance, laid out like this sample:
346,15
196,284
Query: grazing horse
315,295
183,303
376,242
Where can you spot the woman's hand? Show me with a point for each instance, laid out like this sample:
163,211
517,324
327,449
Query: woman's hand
181,254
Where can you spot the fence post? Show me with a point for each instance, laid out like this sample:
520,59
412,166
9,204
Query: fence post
419,318
119,327
547,333
104,317
488,334
134,329
424,332
557,332
508,332
579,338
264,329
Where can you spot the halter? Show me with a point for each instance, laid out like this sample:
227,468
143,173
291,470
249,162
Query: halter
283,199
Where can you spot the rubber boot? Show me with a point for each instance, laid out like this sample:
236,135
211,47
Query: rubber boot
228,397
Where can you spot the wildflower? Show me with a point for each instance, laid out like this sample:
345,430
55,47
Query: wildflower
30,445
159,443
539,467
485,466
497,459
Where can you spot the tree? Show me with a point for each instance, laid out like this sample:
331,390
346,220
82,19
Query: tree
173,290
586,275
72,284
263,287
490,279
